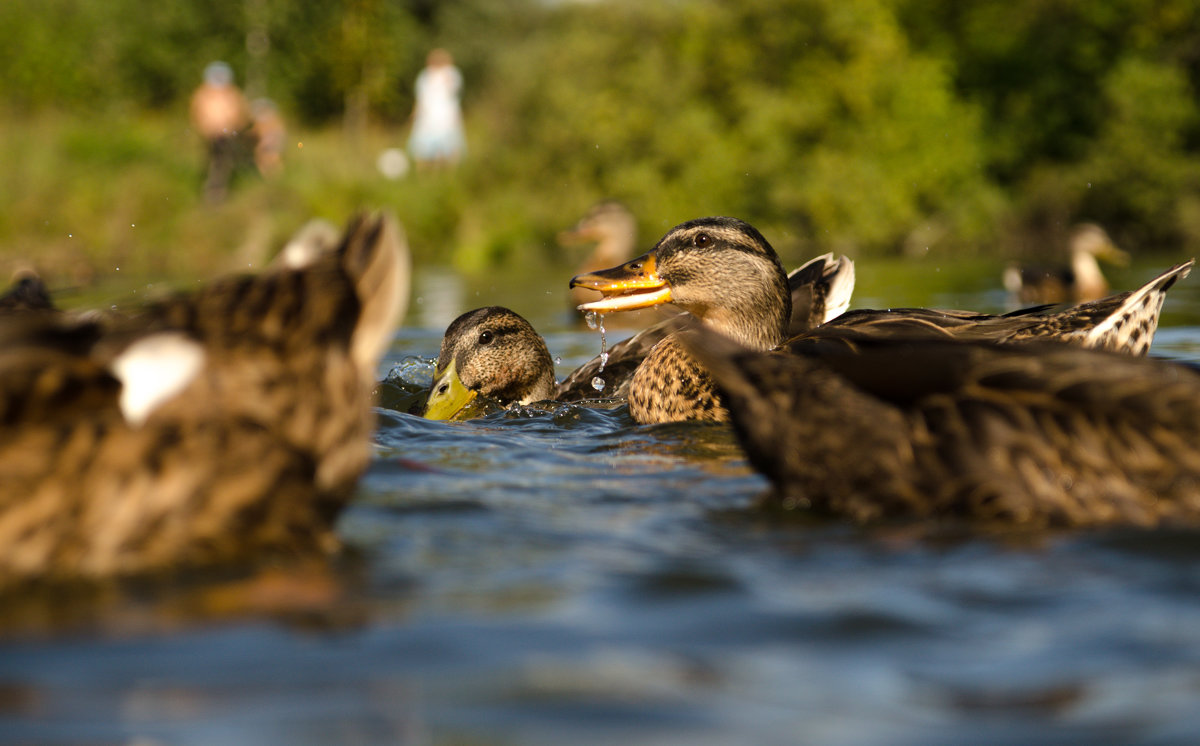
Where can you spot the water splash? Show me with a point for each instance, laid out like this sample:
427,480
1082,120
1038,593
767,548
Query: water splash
596,321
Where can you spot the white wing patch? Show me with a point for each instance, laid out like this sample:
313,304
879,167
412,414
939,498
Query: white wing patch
841,290
153,370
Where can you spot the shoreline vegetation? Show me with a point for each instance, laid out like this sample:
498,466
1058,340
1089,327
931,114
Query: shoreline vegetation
876,128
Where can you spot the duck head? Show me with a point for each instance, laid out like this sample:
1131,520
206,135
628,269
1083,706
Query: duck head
720,270
490,352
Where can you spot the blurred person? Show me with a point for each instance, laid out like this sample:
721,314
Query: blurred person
270,134
219,114
437,138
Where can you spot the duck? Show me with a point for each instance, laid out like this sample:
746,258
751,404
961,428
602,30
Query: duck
1037,435
494,354
1080,281
724,274
225,425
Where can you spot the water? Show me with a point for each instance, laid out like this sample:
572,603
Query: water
558,574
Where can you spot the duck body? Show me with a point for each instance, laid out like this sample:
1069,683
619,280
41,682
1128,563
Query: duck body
1040,434
208,428
1079,281
728,278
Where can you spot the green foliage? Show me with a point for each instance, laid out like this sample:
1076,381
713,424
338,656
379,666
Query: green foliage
868,126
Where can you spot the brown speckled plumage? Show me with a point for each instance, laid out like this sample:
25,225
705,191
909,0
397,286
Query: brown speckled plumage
1039,434
258,452
734,284
499,354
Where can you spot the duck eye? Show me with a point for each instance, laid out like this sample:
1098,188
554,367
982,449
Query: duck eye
485,338
701,240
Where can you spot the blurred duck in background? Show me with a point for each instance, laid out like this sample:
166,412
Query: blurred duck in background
1081,281
27,293
219,426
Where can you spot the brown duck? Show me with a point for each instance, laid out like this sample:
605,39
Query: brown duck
725,275
495,354
1080,280
209,428
1039,434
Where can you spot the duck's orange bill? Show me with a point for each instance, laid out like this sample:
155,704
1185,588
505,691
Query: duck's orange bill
635,284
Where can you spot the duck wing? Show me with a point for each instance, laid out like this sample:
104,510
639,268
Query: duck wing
821,289
1041,434
1125,322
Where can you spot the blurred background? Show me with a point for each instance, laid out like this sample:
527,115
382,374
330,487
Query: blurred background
879,128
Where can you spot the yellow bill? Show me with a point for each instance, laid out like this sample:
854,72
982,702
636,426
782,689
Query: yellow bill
448,397
630,286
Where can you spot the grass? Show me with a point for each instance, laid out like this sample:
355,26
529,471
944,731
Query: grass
85,199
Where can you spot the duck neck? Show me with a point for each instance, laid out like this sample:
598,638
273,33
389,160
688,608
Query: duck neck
754,313
1088,278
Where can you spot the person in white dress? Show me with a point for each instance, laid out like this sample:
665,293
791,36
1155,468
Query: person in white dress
437,140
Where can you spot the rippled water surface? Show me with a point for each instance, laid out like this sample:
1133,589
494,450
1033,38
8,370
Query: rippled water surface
559,575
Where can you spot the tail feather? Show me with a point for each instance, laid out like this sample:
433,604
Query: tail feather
1132,325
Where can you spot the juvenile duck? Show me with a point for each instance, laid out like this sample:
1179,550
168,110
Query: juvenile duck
209,428
726,276
1081,280
1041,434
494,353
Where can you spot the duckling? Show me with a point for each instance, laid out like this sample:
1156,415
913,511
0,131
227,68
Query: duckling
723,273
1039,434
1081,281
208,428
494,353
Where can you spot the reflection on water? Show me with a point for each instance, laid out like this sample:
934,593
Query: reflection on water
437,297
560,574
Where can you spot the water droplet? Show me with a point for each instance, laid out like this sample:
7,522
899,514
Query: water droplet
558,361
603,360
598,383
590,318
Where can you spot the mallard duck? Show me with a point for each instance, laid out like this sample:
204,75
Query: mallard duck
494,353
724,274
1082,280
1038,434
27,293
206,428
490,352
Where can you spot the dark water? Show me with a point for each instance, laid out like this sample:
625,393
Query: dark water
560,575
